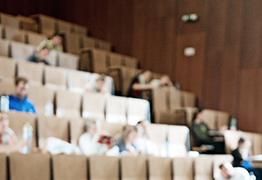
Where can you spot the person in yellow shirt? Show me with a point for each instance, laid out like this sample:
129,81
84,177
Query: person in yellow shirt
54,43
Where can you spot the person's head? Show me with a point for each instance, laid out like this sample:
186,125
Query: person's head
57,39
226,170
4,122
241,142
147,75
165,80
199,116
143,125
129,134
91,127
43,53
21,87
100,82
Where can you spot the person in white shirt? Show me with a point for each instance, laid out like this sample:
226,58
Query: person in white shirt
8,140
89,141
164,81
143,144
228,172
98,86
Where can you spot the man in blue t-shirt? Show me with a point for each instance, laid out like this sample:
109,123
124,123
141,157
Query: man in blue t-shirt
19,101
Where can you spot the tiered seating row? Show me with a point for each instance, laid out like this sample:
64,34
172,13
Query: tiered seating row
173,106
88,105
38,166
70,129
232,137
75,35
96,60
21,51
53,77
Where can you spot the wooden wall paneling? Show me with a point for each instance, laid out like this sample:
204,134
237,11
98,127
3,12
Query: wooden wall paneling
251,44
197,66
230,58
228,97
234,22
121,23
139,30
27,7
146,14
159,45
247,100
216,18
211,89
256,125
190,70
198,7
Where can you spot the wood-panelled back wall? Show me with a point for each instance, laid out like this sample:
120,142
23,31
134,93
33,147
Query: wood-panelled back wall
226,71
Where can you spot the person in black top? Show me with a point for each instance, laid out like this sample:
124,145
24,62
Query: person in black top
40,56
139,83
241,158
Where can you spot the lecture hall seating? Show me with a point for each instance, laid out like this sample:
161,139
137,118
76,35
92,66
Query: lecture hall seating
46,167
40,96
21,51
4,47
7,67
52,127
68,104
31,71
18,119
94,106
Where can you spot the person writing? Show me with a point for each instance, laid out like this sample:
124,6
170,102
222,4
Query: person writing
241,158
40,56
125,143
139,83
164,81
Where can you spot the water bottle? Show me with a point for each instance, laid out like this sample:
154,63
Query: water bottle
49,108
167,148
27,136
233,124
4,103
252,176
177,85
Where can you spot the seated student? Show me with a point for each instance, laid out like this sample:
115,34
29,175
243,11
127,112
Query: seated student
19,101
125,144
89,141
142,143
40,56
8,140
241,158
164,81
200,132
139,82
54,43
98,86
229,173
